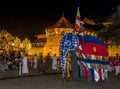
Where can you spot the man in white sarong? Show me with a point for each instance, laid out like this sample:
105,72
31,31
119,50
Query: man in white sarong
54,62
35,61
25,64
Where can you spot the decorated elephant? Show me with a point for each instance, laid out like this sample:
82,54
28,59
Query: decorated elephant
90,55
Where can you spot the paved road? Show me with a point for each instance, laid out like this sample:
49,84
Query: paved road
54,81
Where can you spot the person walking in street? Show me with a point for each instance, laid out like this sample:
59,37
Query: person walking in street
35,61
25,64
54,63
48,63
41,64
117,64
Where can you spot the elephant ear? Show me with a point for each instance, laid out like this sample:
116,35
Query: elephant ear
68,43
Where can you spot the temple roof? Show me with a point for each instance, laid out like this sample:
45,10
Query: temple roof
93,24
62,23
96,27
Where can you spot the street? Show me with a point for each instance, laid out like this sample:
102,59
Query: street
55,81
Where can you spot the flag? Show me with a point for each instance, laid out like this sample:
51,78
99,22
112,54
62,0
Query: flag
77,21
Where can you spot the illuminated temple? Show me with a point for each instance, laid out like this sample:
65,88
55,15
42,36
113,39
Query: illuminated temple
50,41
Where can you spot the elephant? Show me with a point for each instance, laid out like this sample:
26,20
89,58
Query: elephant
79,46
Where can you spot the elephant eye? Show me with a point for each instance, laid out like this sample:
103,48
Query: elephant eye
68,43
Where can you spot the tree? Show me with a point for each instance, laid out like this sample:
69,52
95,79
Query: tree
111,33
10,42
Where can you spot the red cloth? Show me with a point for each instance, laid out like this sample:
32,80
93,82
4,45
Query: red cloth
117,63
85,72
94,49
100,74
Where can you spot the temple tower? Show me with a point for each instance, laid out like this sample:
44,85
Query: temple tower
54,34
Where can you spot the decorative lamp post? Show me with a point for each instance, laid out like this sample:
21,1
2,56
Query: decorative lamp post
50,51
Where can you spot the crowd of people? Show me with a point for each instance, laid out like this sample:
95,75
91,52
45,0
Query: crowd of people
52,63
114,64
19,60
10,59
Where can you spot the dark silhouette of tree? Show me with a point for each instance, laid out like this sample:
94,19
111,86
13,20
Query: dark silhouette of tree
111,33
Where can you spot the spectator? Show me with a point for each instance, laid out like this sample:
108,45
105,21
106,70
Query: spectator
48,63
41,64
54,62
25,64
35,61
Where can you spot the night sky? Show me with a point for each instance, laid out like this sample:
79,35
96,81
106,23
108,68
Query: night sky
27,18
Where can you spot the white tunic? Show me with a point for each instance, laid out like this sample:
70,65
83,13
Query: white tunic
54,63
25,65
35,62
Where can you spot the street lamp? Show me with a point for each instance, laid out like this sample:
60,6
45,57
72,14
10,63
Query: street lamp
50,51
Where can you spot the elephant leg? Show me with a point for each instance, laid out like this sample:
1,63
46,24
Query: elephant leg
74,65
